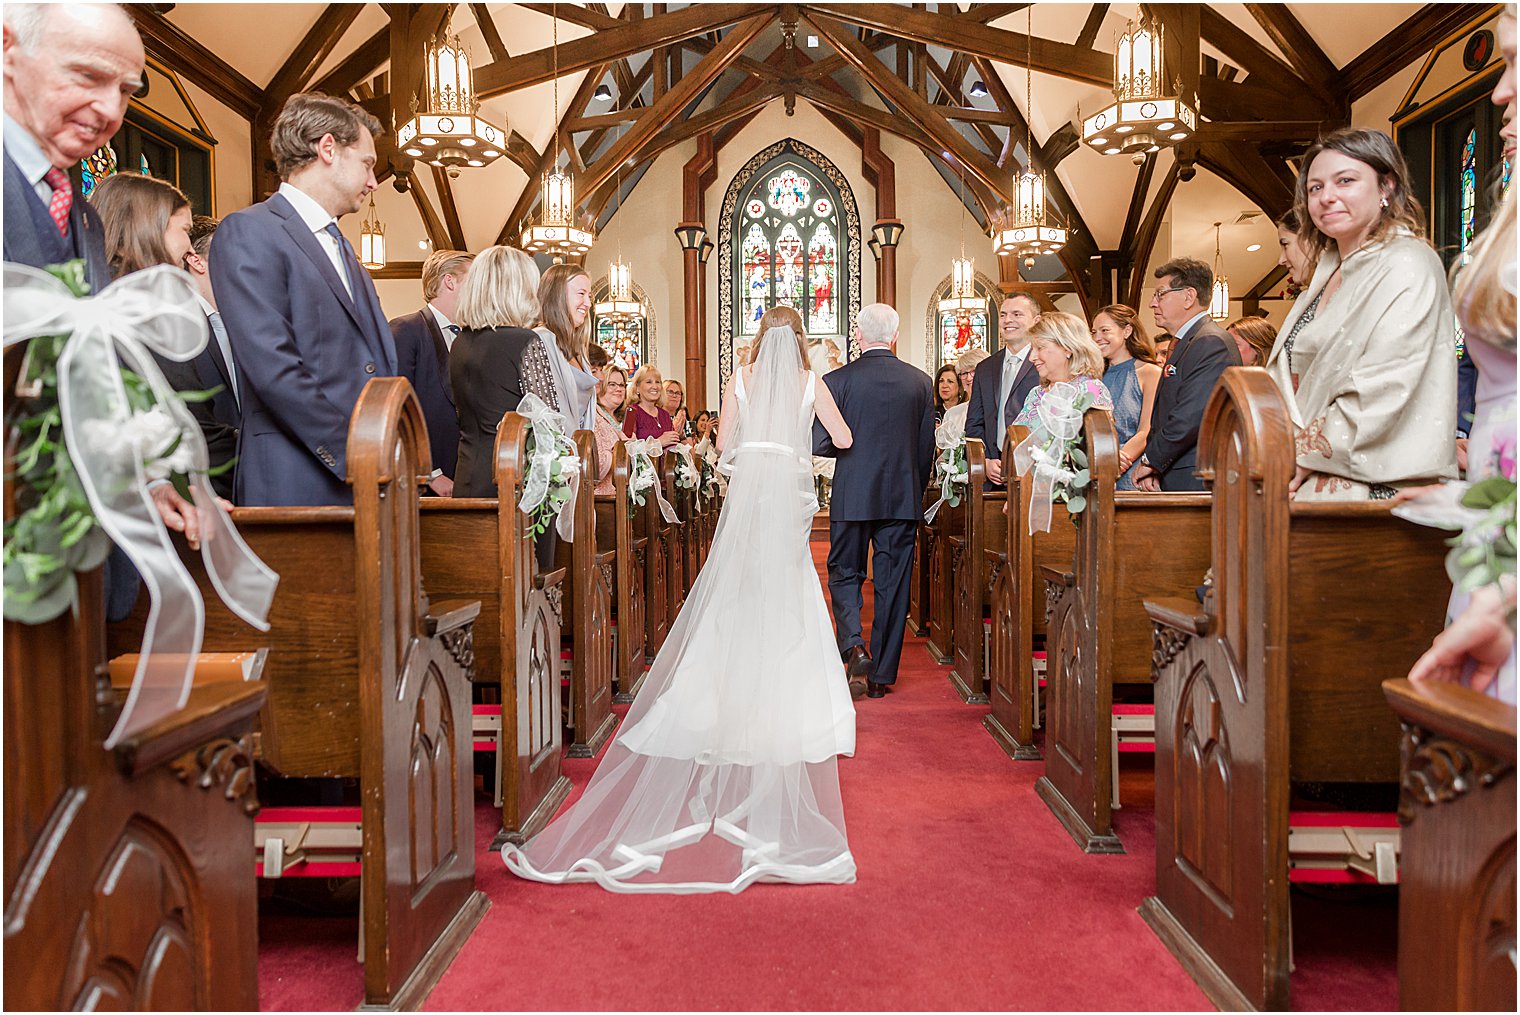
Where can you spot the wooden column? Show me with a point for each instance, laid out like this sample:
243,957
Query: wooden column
698,382
886,233
691,236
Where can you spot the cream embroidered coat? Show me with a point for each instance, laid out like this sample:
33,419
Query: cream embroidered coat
1373,383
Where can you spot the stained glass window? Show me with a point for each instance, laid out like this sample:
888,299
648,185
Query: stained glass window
624,342
96,167
789,251
1469,188
952,334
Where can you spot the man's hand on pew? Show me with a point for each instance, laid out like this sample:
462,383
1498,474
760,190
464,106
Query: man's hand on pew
443,486
995,472
1145,477
1479,641
178,514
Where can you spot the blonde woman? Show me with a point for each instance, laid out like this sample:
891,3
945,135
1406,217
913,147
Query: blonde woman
1062,350
646,416
491,365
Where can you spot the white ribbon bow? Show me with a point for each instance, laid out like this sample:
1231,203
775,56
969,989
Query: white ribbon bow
154,310
1044,450
550,443
946,476
641,456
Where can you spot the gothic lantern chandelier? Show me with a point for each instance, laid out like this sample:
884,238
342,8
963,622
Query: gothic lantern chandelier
1027,231
448,130
555,232
1143,117
620,306
372,238
1219,300
962,299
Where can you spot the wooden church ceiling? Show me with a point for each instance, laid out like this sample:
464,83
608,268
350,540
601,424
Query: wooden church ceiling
1268,77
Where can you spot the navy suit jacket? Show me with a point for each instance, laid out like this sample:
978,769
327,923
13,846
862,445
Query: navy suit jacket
304,352
1194,367
986,386
422,357
889,406
218,417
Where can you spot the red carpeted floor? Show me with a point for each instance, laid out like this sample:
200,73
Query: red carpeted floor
970,896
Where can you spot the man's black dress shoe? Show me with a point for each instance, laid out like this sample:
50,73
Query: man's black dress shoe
875,690
857,662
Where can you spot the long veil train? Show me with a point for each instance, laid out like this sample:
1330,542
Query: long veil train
724,772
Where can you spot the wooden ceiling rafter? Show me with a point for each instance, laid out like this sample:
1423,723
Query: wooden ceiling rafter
438,234
363,63
1261,64
444,185
487,25
1139,255
1137,198
168,43
1089,33
1403,45
1266,182
314,48
1304,55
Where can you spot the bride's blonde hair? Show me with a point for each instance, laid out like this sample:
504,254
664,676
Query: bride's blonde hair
782,317
1484,304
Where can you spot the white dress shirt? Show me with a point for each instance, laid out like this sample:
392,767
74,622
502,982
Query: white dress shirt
450,331
29,158
1187,328
317,220
219,336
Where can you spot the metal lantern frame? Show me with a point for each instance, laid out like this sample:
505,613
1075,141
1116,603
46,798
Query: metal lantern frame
1027,231
372,238
556,231
446,128
1145,115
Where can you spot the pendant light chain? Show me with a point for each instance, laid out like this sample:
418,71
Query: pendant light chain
1029,88
554,19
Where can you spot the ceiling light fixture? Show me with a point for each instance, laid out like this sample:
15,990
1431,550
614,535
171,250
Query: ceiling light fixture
1031,232
1219,302
556,232
372,238
978,89
447,130
602,93
1143,118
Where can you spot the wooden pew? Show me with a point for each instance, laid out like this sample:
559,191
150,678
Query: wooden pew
367,680
1128,546
617,527
674,540
126,871
918,583
945,547
1457,869
1274,681
588,612
660,547
984,541
1019,614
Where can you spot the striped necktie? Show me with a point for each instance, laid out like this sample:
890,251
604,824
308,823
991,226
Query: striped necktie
63,198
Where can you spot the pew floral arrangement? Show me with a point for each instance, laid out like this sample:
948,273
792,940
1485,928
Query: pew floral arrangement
96,422
643,477
554,470
687,477
951,471
1053,451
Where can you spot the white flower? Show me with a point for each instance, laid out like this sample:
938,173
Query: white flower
147,435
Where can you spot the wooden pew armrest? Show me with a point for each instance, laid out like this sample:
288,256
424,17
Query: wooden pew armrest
548,578
450,614
212,711
606,557
1055,574
1458,712
1180,614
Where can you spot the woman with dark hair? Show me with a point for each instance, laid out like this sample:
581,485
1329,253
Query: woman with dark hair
1292,256
1130,374
947,391
1367,355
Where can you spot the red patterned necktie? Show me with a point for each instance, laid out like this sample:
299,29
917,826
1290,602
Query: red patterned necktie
63,198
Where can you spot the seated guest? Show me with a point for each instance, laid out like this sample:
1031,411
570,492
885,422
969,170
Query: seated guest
302,315
1131,376
564,294
1003,381
610,392
1253,338
675,404
646,416
423,340
1367,355
947,391
147,221
597,359
1062,350
953,426
1202,352
489,364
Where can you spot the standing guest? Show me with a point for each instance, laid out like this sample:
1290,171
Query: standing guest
947,391
597,359
564,296
148,222
1253,337
675,404
1164,345
423,342
953,426
221,417
1063,351
646,416
69,71
1292,256
610,392
1202,353
489,364
1366,358
1131,376
301,312
1003,382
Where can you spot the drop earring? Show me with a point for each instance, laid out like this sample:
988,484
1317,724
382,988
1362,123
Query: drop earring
1384,202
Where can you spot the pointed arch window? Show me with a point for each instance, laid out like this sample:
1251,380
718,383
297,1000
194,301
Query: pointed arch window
953,334
626,341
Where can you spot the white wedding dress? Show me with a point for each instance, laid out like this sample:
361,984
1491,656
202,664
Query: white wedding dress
724,772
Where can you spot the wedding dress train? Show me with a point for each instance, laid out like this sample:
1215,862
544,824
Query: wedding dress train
723,772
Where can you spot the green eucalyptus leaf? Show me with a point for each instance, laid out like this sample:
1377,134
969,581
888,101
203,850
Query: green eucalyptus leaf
1076,504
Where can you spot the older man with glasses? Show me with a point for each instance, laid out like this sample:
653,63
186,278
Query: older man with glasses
1202,353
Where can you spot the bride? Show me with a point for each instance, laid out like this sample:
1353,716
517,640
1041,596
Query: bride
723,772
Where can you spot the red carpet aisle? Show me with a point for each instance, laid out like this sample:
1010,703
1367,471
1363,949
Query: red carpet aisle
970,896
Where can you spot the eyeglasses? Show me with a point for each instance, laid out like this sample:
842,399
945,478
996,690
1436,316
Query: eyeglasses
1162,292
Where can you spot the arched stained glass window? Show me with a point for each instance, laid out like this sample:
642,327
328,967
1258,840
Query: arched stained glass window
626,341
1469,177
100,164
791,239
953,334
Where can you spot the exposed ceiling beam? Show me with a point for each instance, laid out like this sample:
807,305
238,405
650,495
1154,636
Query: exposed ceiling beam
362,63
1267,283
1403,45
315,47
986,13
438,236
1137,202
1058,58
1261,130
1139,255
445,187
521,151
1089,33
488,32
612,43
1266,182
1253,57
170,44
586,17
1303,53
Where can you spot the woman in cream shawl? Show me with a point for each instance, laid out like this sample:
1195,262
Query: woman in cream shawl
1367,355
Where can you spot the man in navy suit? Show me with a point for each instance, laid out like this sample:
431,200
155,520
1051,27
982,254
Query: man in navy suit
878,493
423,342
1002,381
69,71
1200,357
301,313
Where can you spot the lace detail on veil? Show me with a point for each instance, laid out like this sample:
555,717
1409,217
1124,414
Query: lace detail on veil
724,770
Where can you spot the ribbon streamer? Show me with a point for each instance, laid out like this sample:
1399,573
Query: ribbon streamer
550,444
1044,450
947,440
641,456
154,310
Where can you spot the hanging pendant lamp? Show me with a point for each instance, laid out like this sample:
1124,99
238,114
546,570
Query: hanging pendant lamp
556,231
1145,115
1219,300
1028,231
620,306
446,129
